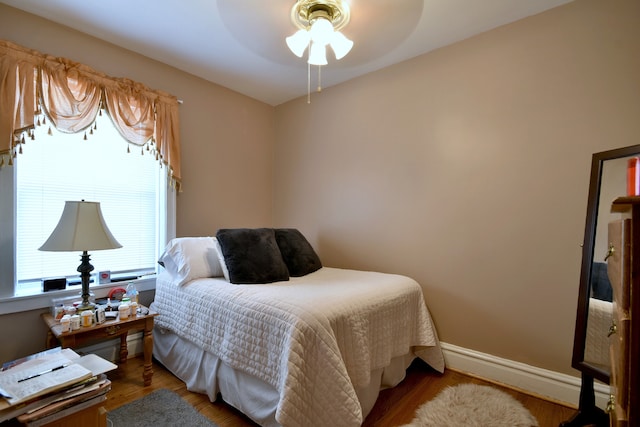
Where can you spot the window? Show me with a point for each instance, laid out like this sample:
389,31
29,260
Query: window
137,194
132,187
57,167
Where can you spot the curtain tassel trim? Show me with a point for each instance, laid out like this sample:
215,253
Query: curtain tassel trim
15,148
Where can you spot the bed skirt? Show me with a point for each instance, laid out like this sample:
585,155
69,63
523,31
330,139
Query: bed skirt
205,373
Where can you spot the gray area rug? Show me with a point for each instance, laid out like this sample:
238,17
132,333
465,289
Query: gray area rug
471,405
160,408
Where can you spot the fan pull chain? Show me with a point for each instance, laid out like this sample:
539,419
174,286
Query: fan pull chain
308,83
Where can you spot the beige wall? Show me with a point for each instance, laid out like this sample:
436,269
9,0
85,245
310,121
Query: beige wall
227,144
468,169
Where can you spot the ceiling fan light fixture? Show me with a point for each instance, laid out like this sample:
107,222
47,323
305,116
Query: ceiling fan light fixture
321,31
318,54
321,20
340,44
298,42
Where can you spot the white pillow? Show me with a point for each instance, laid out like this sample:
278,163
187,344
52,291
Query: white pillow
223,264
190,258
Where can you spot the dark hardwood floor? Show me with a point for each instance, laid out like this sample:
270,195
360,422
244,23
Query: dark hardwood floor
394,407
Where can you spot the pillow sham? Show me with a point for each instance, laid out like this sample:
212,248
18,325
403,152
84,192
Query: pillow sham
297,252
190,258
252,256
223,264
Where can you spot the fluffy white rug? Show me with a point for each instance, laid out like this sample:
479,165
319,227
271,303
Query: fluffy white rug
472,405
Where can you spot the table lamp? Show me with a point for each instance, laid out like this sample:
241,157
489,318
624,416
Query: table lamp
81,228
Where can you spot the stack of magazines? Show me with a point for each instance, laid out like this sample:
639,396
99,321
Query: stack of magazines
47,386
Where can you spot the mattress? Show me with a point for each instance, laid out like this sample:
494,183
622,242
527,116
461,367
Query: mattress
315,339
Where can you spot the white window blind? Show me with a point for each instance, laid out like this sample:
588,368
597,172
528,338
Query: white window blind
59,167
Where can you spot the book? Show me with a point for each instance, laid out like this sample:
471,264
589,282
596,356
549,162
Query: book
20,385
48,399
68,400
13,363
36,381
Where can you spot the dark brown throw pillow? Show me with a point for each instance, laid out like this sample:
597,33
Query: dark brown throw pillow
297,252
252,255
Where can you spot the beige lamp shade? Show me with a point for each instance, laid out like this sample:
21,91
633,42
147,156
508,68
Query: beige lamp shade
81,228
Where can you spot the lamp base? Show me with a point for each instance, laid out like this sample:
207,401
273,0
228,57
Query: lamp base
82,307
85,270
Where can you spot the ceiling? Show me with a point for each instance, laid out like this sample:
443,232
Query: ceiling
240,44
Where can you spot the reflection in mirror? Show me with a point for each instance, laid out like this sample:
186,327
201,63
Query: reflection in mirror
613,179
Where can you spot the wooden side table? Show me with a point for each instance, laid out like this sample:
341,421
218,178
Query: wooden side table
107,330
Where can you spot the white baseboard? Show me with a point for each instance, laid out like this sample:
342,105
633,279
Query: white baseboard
110,350
554,385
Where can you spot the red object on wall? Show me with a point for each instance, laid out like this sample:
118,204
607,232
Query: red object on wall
633,177
117,293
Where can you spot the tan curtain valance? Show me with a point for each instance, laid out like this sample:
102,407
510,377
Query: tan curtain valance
71,96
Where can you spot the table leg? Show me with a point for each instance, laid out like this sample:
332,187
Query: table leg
123,348
148,349
51,340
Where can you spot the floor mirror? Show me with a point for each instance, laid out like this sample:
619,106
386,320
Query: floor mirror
608,181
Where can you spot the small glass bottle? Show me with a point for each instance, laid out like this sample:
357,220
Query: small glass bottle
132,292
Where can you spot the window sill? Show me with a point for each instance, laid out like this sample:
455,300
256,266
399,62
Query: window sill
18,304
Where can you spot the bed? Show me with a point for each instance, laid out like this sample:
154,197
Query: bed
311,349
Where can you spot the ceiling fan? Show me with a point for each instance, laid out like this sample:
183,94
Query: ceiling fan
319,23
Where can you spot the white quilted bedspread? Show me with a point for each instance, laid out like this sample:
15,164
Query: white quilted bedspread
313,338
